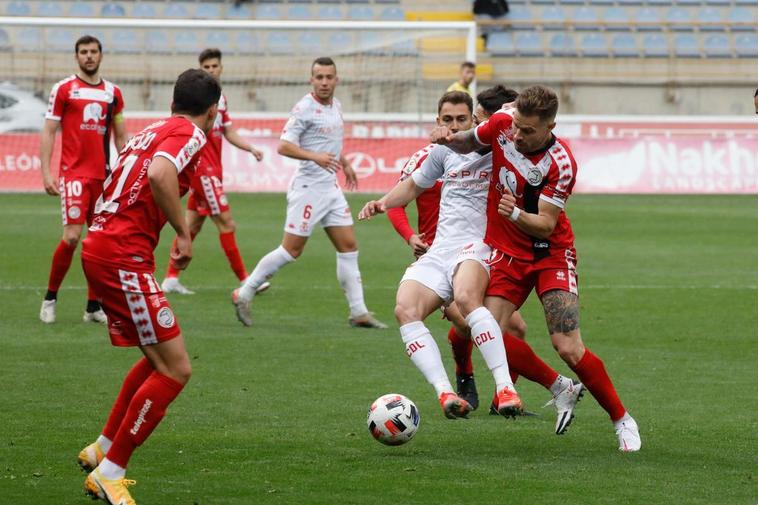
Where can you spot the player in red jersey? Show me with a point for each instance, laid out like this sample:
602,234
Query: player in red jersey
207,196
533,175
87,108
154,170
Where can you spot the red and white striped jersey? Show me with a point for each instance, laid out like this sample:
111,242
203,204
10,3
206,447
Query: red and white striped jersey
548,175
128,221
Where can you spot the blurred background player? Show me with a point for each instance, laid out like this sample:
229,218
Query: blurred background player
207,196
466,77
755,101
314,134
156,166
87,108
531,237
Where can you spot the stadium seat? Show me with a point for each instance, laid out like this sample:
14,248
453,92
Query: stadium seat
247,43
279,43
111,10
268,12
370,42
5,40
624,45
208,11
562,44
708,17
18,9
521,14
690,3
553,17
60,40
28,39
617,18
50,9
593,45
648,19
747,3
387,1
529,44
717,46
723,3
630,3
742,19
585,18
655,45
157,42
360,13
186,42
600,2
659,3
176,11
299,12
392,14
569,2
144,10
126,41
686,46
746,45
240,11
81,10
342,40
309,42
221,40
543,2
357,1
501,44
330,12
680,19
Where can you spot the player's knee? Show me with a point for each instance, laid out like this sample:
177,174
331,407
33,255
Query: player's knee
517,328
466,302
569,350
227,226
71,239
294,250
182,371
406,313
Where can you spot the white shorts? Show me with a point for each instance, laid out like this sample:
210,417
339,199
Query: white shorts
307,207
436,268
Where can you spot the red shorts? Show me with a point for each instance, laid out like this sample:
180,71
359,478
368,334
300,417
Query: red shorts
514,279
207,197
78,197
138,312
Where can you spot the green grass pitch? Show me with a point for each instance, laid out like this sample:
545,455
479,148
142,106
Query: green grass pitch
275,414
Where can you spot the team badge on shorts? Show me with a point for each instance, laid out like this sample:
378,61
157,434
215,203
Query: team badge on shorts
223,200
74,212
165,318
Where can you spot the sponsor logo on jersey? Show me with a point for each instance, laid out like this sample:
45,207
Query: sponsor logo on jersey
74,212
165,318
93,112
508,180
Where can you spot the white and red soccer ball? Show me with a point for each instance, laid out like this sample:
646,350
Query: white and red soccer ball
393,419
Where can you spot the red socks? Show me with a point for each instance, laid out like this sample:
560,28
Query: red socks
523,361
462,347
591,372
61,263
145,411
229,245
134,379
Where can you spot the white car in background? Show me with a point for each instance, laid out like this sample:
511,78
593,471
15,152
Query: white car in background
20,110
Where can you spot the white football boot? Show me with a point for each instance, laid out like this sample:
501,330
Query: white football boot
564,403
628,433
172,285
47,311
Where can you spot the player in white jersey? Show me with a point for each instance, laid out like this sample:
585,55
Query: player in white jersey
313,134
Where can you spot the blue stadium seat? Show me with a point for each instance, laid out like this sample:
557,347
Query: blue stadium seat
299,12
221,40
5,40
50,9
686,46
680,18
404,48
649,19
392,14
309,42
18,9
553,17
746,45
126,41
279,43
240,11
157,42
142,10
655,46
600,2
570,2
618,18
722,3
708,17
329,12
342,39
81,10
387,1
630,3
529,44
176,11
718,46
60,40
747,3
593,44
268,12
660,3
357,1
208,11
585,18
28,39
111,10
501,44
695,3
624,45
360,13
742,19
521,13
562,44
371,42
186,42
247,43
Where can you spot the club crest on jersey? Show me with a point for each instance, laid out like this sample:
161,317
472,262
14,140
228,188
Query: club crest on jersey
165,318
534,176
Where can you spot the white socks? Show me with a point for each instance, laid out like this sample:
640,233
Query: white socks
486,334
349,278
111,470
264,270
104,443
423,351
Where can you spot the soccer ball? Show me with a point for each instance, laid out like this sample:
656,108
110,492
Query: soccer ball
393,419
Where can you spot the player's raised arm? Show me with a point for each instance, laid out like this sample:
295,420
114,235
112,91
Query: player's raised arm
462,142
327,161
164,184
47,143
402,194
